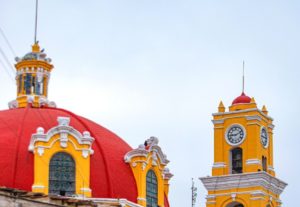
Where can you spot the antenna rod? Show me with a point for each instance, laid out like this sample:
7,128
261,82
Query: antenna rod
243,76
36,18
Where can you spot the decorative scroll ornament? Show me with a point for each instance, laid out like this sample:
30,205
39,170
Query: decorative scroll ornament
149,148
64,130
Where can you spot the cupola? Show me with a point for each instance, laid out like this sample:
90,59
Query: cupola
32,78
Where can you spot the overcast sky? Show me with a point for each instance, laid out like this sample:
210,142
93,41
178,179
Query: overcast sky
159,68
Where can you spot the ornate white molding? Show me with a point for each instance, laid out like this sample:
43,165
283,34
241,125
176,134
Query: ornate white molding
113,201
253,162
43,101
219,165
271,126
256,117
37,187
246,180
211,197
219,121
13,104
166,174
63,129
258,193
271,168
150,146
243,111
85,190
141,199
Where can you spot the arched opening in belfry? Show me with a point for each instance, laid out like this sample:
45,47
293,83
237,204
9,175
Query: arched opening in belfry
62,175
237,160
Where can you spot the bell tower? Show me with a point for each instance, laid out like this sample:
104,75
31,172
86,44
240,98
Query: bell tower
32,79
243,173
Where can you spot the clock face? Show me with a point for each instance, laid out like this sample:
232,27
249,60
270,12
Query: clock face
264,137
235,135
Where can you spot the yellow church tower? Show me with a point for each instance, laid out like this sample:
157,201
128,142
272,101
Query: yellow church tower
243,173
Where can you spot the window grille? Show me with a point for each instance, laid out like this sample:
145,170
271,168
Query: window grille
62,175
151,189
237,160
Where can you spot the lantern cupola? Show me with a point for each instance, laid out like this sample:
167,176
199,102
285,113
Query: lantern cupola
32,78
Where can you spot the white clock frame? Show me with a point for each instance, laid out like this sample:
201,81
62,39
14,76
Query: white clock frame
226,134
268,138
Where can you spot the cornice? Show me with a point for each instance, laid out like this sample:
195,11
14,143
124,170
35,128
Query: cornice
245,180
243,111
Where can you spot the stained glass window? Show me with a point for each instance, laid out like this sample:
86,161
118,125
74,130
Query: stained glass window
151,189
62,175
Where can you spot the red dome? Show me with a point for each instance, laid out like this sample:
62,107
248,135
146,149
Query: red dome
243,98
110,176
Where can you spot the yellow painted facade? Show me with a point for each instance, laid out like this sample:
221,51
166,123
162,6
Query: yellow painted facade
254,183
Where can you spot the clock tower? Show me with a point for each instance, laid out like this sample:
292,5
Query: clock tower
243,173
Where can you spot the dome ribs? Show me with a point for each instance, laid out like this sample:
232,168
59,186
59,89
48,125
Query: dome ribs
18,140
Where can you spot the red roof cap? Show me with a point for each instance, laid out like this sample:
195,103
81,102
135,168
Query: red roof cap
243,98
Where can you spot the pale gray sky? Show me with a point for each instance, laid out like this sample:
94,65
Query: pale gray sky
159,68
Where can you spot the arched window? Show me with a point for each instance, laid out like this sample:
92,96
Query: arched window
236,161
264,163
62,175
151,189
235,204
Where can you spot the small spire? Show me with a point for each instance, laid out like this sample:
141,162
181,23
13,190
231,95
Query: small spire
252,100
264,110
221,107
36,47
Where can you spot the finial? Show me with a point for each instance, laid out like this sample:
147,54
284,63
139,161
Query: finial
221,107
36,47
264,110
243,76
252,100
36,18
